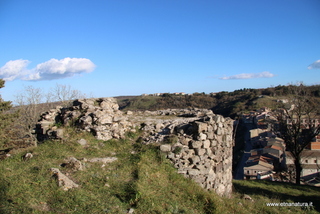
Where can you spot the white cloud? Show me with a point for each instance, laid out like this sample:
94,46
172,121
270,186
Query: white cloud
265,74
14,69
52,69
315,65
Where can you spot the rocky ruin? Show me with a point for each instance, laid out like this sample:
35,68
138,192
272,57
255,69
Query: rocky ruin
101,117
197,142
200,148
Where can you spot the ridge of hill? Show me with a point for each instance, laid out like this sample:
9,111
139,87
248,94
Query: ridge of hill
228,104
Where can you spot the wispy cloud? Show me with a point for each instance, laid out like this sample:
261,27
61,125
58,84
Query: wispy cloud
315,65
265,74
52,69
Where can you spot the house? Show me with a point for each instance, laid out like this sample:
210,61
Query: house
255,152
256,133
310,160
179,93
260,157
276,141
273,151
253,168
259,133
305,123
260,137
314,145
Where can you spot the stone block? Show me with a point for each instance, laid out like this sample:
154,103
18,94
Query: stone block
193,172
214,127
118,118
170,155
213,143
103,160
82,142
195,159
217,118
63,181
219,131
181,171
208,152
165,147
196,144
206,144
59,133
106,119
201,127
204,157
159,127
210,135
202,136
200,151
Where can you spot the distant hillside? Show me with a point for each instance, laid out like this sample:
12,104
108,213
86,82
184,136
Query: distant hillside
225,103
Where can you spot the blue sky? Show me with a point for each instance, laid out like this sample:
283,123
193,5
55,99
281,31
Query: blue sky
116,47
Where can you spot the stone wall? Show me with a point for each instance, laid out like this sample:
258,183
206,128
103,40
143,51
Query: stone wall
101,117
199,147
198,142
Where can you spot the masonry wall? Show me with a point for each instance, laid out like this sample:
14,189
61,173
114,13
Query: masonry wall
203,152
198,142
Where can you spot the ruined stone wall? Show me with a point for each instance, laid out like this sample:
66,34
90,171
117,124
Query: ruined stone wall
198,142
202,151
99,116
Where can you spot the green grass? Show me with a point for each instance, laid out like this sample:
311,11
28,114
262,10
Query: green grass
143,103
263,192
141,179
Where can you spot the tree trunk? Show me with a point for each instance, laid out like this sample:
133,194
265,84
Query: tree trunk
298,167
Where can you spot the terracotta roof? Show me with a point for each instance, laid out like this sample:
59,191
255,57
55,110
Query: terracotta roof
260,158
273,147
259,163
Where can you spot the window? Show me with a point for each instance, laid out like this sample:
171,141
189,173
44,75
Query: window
315,161
306,161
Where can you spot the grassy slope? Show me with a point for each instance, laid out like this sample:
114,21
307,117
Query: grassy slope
141,179
276,192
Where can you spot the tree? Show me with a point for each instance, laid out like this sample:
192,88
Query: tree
65,94
297,123
6,117
34,101
28,102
